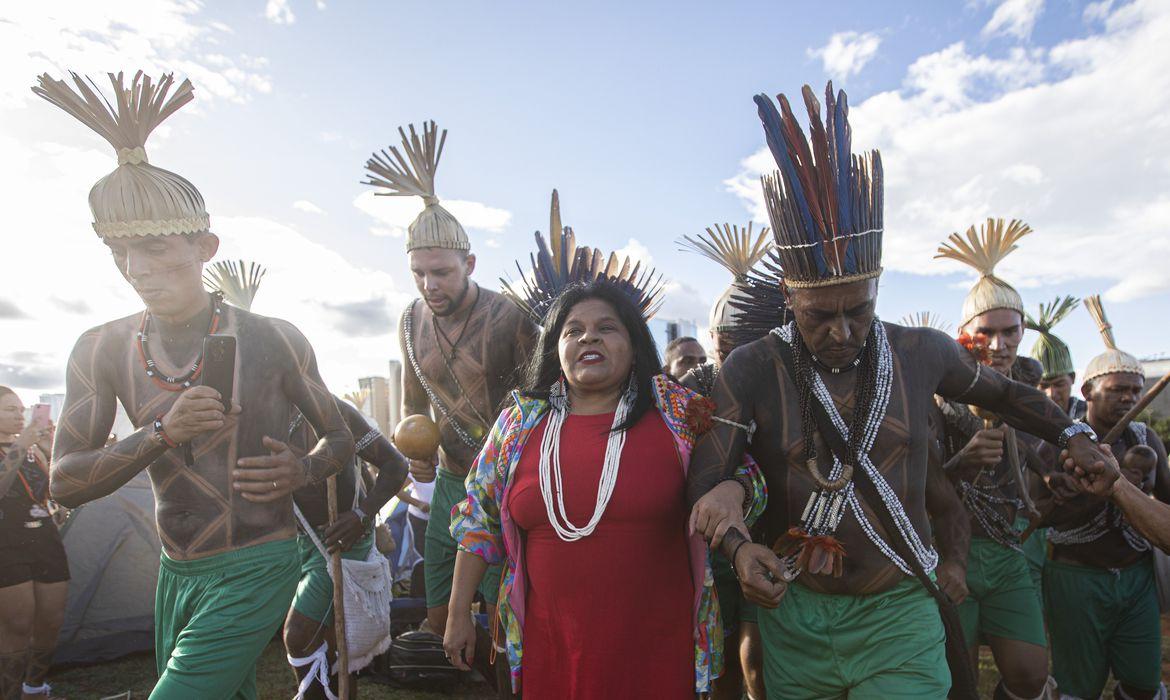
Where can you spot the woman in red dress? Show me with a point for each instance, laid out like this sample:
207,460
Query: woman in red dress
581,490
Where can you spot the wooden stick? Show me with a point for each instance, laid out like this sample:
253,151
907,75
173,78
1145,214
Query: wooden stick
1110,438
338,599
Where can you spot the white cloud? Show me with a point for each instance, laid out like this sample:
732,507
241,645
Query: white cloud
636,251
1098,11
278,12
394,214
307,207
1073,139
90,37
847,53
321,4
1014,18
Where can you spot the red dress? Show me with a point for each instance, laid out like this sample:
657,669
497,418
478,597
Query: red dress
610,615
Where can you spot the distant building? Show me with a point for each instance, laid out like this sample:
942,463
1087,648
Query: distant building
665,330
377,404
1156,368
395,393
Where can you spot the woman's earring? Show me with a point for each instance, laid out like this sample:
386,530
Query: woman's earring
558,396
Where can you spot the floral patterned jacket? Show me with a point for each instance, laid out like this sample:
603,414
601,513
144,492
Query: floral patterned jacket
482,525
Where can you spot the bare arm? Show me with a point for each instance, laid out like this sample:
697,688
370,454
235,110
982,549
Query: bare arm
84,468
948,517
720,450
1162,472
373,447
414,397
303,386
1021,406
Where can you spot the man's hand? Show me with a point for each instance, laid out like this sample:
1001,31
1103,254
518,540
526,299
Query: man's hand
344,534
721,508
985,449
46,438
760,574
1090,463
198,410
423,471
270,477
459,640
952,579
1064,487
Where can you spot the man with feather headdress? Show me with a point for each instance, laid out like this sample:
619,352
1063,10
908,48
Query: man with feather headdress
223,478
463,346
839,398
1101,586
985,460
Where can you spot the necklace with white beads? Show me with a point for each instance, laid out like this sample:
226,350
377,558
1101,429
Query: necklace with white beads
551,483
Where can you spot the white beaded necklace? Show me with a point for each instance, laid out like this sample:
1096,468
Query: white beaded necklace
550,468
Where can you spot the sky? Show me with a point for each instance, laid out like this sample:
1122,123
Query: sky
640,114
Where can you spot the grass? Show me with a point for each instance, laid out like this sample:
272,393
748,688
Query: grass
136,674
274,680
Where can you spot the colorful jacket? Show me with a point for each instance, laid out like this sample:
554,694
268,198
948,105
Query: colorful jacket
482,525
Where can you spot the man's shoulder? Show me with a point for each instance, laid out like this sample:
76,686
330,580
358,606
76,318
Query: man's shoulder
125,328
500,305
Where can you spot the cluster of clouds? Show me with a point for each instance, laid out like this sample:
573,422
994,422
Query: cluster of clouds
1046,134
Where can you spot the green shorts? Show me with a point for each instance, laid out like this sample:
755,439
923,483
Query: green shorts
439,563
733,607
314,597
214,616
885,645
1103,620
1001,601
1035,551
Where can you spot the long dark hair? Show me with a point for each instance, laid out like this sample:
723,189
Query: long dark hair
545,366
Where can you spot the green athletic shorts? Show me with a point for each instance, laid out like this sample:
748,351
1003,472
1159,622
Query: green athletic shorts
1001,601
214,616
314,598
885,645
1103,620
733,607
439,566
1036,552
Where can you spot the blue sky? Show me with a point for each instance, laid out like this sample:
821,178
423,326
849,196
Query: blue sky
641,115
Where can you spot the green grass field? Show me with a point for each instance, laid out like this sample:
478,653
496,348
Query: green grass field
136,674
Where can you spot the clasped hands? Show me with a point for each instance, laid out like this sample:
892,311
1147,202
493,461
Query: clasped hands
717,516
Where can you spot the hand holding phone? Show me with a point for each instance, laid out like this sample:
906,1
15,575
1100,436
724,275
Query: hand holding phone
219,366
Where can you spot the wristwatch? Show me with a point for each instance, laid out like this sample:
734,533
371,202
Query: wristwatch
1077,428
366,520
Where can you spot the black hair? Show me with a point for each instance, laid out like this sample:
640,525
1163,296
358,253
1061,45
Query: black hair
545,366
671,347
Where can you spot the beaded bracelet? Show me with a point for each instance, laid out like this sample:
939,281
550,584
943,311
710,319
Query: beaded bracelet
735,552
161,434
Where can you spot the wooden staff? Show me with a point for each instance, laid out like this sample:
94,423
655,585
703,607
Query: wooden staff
1110,437
338,599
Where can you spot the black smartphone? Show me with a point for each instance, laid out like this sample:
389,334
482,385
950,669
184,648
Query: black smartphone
219,366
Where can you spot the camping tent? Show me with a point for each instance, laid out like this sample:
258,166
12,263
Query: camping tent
113,551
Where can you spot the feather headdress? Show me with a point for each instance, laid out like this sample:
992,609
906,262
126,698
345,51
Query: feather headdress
137,198
1050,350
237,280
983,250
560,263
738,251
926,319
824,202
1113,360
414,176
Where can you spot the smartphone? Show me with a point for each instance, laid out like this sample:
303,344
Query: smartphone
219,366
40,414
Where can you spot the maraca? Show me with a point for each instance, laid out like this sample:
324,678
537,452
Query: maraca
417,437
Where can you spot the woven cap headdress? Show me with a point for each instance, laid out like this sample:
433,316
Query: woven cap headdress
824,202
1113,360
1051,351
737,250
137,198
560,264
983,250
414,176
